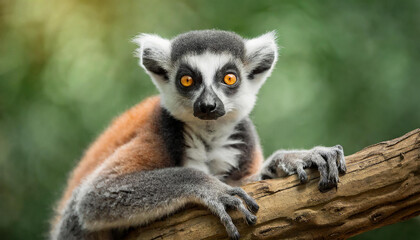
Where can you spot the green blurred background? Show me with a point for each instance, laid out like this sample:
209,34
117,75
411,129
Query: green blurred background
348,73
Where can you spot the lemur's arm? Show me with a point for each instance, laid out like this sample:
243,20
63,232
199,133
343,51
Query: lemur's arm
329,161
144,196
109,198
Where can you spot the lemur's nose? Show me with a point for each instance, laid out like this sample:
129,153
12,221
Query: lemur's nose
207,107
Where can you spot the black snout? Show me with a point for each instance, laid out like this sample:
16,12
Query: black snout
208,106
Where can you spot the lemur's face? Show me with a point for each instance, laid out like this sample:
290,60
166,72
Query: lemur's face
208,75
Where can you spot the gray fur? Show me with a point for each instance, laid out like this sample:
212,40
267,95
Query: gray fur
215,41
110,200
329,161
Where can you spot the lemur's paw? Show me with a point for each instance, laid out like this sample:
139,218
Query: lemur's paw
230,198
330,162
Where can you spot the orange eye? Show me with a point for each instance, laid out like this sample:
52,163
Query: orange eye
230,79
186,81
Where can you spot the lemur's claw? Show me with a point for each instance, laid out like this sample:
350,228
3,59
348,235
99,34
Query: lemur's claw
254,207
326,186
235,236
303,177
249,201
251,220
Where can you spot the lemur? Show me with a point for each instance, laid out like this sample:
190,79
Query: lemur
194,143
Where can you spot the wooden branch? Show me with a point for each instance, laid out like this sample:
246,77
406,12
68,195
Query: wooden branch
381,187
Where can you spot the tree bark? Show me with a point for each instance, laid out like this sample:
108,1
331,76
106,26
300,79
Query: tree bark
381,187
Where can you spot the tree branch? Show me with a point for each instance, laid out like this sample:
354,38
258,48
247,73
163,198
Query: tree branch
381,187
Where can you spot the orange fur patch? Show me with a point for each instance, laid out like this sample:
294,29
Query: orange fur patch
253,171
257,160
132,138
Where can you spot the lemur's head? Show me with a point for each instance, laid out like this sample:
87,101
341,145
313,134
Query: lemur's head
209,74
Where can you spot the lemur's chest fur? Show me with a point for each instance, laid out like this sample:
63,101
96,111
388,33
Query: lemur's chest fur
212,149
228,151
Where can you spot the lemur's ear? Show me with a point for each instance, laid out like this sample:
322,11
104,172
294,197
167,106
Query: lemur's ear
261,55
154,54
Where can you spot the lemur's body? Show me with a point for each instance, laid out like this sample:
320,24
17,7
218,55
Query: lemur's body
185,145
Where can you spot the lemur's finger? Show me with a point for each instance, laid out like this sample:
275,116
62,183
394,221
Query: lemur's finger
249,201
340,159
303,177
320,162
331,157
237,204
219,210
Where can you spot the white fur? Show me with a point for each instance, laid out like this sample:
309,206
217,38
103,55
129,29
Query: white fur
161,50
218,157
258,47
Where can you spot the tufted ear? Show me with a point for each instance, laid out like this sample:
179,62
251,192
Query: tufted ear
261,55
154,54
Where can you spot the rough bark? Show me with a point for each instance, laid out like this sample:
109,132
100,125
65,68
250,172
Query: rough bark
381,187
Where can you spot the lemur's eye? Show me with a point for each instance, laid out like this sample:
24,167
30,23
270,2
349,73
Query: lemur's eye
230,79
186,81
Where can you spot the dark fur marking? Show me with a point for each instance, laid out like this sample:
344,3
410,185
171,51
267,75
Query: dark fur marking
220,75
264,65
215,41
186,70
245,132
152,65
265,177
272,167
171,131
